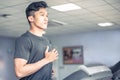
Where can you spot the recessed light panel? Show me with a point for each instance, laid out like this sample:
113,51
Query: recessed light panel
66,7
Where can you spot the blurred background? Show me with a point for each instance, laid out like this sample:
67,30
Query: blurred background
93,24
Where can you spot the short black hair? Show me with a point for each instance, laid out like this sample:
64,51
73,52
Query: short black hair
35,6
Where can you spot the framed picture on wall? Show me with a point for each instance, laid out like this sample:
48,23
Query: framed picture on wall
73,55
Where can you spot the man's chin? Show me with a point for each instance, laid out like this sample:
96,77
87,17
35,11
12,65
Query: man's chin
45,27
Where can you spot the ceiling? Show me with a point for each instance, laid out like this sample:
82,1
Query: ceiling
60,23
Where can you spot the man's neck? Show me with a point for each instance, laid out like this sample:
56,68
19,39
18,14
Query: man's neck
37,32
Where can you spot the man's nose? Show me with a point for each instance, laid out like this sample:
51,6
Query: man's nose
46,18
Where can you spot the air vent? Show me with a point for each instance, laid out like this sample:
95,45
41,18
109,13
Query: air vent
55,23
5,15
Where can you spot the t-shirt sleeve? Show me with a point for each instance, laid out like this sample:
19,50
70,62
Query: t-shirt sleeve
22,48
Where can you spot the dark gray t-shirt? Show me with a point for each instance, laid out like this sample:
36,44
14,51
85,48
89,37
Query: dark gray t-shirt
32,48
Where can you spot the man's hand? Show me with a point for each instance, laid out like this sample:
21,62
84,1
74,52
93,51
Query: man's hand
51,55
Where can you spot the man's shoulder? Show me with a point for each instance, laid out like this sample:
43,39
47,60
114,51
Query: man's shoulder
26,34
23,37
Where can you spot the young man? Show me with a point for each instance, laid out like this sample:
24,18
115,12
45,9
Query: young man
33,56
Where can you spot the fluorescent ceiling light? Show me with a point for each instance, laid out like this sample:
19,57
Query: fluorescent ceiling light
59,22
105,24
66,7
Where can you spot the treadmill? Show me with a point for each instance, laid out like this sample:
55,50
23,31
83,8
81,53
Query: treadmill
99,72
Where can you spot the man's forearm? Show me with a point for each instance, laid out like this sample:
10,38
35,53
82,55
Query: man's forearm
29,69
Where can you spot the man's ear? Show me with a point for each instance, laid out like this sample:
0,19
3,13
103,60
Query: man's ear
30,18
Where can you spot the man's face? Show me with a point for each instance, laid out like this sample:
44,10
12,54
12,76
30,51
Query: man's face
40,19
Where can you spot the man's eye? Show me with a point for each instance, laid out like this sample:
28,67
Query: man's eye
42,15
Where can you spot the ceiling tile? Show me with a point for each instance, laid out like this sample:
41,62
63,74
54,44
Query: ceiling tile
85,19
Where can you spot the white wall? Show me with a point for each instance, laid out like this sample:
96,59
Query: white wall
99,47
6,53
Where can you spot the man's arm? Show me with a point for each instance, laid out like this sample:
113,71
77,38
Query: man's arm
23,69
